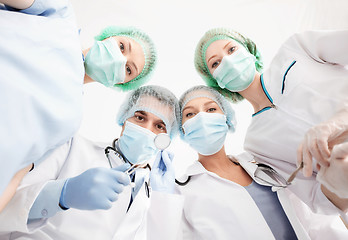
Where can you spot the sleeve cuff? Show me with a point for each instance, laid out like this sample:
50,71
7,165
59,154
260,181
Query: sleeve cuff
47,203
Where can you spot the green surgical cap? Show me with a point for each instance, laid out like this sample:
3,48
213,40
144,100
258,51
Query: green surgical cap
149,51
202,68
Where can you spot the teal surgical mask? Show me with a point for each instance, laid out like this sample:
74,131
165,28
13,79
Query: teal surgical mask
137,143
206,132
236,71
105,63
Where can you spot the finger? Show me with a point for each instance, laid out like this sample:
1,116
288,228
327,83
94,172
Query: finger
340,151
324,152
315,152
171,155
166,159
299,155
122,168
112,196
121,178
117,188
318,167
307,163
157,160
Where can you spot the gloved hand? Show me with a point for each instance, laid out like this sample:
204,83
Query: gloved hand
319,139
162,176
335,177
95,188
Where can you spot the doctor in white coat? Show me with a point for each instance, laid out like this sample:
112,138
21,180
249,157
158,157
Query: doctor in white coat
55,200
228,197
305,87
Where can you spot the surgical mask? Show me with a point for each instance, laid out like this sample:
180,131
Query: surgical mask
236,71
206,132
105,63
137,143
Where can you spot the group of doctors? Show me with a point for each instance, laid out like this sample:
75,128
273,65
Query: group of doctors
79,189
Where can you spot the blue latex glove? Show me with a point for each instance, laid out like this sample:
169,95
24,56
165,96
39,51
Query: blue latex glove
162,176
96,188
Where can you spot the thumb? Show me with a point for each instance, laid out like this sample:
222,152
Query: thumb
122,168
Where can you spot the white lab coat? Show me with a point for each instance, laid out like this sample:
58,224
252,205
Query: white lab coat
305,93
41,83
216,208
71,160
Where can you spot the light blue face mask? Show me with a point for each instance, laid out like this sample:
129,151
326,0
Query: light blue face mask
236,71
206,132
105,63
137,143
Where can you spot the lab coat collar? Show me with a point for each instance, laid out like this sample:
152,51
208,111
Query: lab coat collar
195,169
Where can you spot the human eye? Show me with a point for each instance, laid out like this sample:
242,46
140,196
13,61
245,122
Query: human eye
139,117
161,127
231,50
188,115
121,47
211,109
215,64
128,70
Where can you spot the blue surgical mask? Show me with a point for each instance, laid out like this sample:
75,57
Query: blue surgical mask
236,71
105,63
206,132
137,143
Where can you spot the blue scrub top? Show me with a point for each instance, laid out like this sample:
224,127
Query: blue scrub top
41,79
271,209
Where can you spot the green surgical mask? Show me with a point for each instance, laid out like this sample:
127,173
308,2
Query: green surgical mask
105,63
236,71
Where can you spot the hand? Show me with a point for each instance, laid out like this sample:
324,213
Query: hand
318,141
335,177
162,176
96,188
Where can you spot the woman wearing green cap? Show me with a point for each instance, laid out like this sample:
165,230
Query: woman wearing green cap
304,91
121,58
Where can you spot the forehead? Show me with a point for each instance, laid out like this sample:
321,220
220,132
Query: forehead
199,101
152,105
218,45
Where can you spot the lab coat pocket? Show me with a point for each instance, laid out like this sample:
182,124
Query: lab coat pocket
289,78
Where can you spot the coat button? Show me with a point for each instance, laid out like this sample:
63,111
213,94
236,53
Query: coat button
44,212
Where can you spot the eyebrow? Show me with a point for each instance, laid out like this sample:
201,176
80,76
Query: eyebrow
142,112
207,103
211,58
226,45
135,66
186,108
129,46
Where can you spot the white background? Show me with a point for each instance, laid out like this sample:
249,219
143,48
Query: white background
176,27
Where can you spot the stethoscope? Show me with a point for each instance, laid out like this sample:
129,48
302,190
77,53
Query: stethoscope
114,154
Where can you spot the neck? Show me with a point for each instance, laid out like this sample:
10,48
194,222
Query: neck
216,161
220,164
255,94
87,79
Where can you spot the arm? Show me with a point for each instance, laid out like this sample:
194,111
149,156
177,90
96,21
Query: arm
15,215
18,4
12,186
322,46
